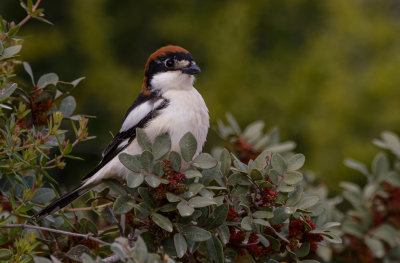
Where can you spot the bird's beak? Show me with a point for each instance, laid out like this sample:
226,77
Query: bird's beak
192,69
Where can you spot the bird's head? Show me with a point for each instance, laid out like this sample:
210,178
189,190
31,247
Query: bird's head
170,67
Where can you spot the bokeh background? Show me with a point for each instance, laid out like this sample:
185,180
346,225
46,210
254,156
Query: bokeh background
326,72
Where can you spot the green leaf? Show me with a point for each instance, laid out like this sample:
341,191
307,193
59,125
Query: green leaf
295,196
356,165
225,162
192,173
278,163
200,201
218,217
7,92
262,222
152,180
303,250
196,234
188,145
180,244
233,123
147,196
184,209
263,240
41,260
28,70
386,233
146,160
276,244
132,162
224,234
375,246
193,190
246,223
161,146
14,30
140,252
215,250
162,222
76,252
5,254
175,160
280,215
263,214
204,161
307,202
122,205
77,81
11,51
296,162
293,177
255,174
143,140
67,106
158,168
380,164
133,180
64,86
43,195
173,198
46,79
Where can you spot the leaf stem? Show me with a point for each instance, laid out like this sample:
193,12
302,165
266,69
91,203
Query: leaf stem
29,16
86,236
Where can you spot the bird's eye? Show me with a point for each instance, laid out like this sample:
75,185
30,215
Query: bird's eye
169,63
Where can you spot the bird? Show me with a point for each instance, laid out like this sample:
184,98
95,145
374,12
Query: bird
167,103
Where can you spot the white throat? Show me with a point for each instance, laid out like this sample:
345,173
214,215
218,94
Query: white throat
171,80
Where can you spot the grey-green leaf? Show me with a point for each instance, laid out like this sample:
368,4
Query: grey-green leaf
67,106
204,161
143,140
152,180
123,205
43,195
161,146
296,161
140,252
132,162
188,145
162,222
180,244
278,163
175,160
200,201
133,179
196,234
215,250
293,177
225,162
184,209
46,79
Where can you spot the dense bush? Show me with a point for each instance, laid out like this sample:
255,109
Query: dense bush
246,202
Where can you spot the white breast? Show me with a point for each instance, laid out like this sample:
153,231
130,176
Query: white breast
186,112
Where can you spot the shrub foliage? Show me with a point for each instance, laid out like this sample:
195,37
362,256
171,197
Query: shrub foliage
246,202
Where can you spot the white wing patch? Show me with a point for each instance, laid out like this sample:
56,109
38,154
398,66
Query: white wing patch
139,113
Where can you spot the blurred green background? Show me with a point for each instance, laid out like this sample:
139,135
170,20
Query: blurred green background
326,72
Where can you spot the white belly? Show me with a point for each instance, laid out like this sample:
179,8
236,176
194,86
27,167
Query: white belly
186,112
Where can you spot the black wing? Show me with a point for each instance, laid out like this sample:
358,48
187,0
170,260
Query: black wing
125,137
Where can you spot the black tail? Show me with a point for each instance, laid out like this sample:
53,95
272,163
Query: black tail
62,202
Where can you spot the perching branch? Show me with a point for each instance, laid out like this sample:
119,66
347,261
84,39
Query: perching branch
29,16
87,236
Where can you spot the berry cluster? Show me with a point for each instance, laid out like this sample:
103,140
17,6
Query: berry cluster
176,182
267,197
298,233
41,108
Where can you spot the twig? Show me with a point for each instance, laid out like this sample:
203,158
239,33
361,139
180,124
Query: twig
29,16
86,208
87,236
